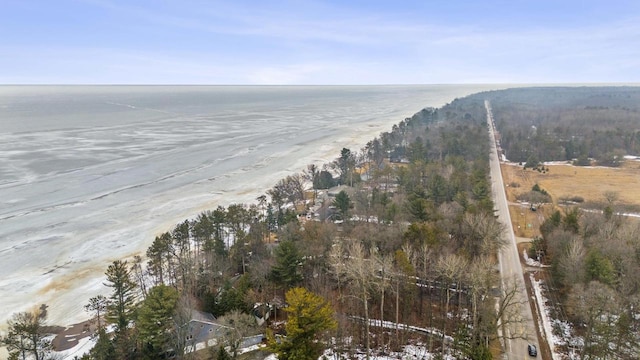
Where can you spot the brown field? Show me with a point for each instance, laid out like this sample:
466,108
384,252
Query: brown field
526,223
590,183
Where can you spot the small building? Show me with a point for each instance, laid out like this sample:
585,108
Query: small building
261,312
204,331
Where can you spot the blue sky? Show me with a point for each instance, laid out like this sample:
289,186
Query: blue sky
318,42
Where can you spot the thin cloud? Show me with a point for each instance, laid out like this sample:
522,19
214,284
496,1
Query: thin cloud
317,42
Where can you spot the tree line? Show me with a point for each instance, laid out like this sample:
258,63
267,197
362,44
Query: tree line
411,257
579,124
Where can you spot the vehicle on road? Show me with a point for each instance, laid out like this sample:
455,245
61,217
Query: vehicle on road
533,351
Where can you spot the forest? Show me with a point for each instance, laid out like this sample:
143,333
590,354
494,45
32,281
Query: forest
593,256
594,279
583,125
402,252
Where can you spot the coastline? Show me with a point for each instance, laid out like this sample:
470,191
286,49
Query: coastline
66,289
70,335
87,280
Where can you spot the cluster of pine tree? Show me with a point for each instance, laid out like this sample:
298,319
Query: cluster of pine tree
404,253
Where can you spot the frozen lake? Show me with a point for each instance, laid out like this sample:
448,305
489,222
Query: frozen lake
90,174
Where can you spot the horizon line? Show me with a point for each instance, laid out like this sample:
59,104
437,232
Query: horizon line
294,85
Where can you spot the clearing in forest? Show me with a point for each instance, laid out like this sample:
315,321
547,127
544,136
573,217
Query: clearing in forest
565,181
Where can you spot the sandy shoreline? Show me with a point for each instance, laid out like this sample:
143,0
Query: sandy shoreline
86,280
78,272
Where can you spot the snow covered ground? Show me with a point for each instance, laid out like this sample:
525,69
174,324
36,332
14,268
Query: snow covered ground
409,352
84,346
558,332
529,261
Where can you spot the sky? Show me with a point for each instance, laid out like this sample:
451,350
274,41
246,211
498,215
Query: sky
319,42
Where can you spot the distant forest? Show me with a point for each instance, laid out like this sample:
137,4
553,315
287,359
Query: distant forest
580,124
594,257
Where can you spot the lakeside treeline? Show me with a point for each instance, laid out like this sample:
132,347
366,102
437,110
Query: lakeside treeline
415,240
393,244
409,238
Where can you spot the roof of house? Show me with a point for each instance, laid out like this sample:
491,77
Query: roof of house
202,332
202,316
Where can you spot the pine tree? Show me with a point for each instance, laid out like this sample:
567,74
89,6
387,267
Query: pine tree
156,253
286,271
97,305
342,202
155,317
103,349
122,299
222,354
309,315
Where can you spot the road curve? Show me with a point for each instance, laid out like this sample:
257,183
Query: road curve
519,327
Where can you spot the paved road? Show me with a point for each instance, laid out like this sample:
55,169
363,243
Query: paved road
519,326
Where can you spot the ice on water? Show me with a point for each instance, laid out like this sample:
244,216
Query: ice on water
90,174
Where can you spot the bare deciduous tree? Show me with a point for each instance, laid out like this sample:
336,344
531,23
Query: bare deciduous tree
361,272
507,314
481,278
597,306
450,269
237,326
572,264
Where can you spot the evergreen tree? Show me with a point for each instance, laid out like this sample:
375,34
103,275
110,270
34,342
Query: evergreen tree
229,298
218,219
324,180
121,308
342,202
286,271
272,221
26,337
309,315
98,306
155,317
346,165
103,349
157,254
222,354
122,299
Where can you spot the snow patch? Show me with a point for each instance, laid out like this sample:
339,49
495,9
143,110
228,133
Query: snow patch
544,316
85,344
530,261
409,352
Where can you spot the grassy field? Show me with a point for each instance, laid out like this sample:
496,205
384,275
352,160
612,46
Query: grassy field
589,183
526,223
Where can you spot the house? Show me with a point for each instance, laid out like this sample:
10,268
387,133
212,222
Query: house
261,312
204,331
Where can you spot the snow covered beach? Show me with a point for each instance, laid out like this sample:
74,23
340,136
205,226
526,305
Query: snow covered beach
92,174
